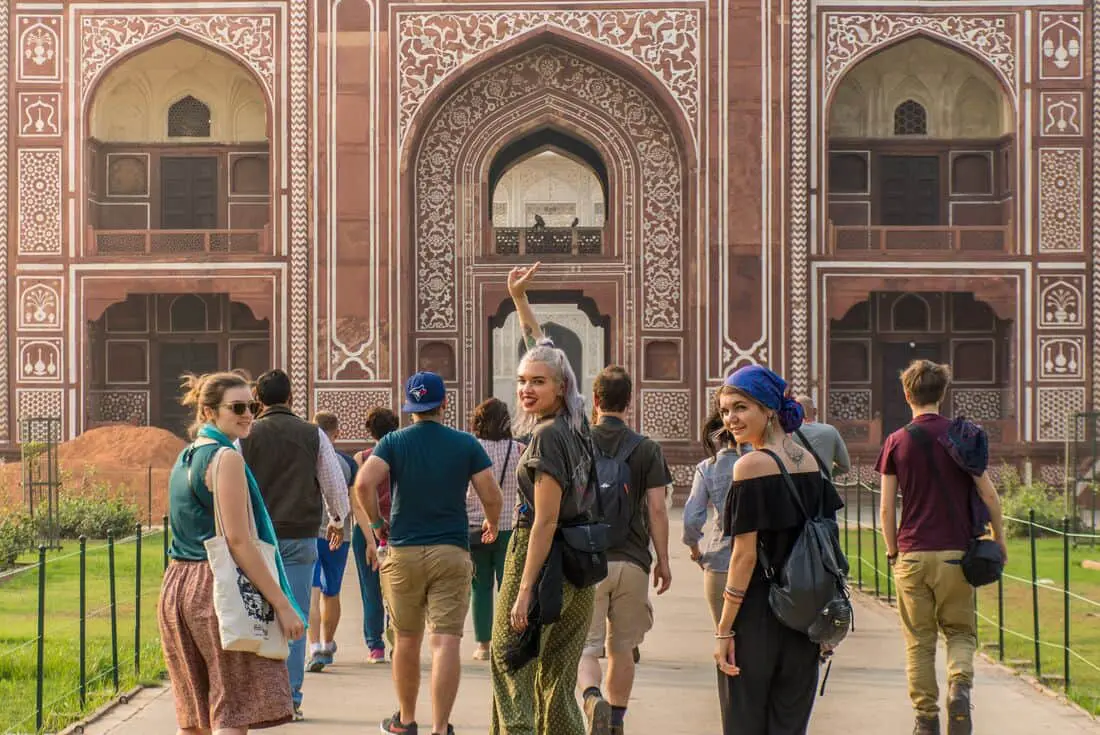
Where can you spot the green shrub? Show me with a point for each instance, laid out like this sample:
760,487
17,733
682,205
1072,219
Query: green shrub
1018,499
92,517
16,536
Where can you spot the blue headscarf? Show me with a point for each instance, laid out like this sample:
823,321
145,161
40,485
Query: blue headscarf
264,528
769,389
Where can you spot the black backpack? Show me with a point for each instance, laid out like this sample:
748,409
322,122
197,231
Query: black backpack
618,501
809,593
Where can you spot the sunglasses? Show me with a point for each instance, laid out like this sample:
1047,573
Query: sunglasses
239,407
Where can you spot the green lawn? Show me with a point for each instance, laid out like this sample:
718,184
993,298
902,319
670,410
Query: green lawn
18,631
1018,616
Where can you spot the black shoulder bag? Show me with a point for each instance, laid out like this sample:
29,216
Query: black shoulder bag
982,562
475,533
584,543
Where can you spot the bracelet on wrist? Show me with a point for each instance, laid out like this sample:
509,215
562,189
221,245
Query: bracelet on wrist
377,525
725,636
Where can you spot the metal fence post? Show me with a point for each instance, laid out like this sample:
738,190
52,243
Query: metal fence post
114,608
41,666
137,601
1065,601
83,622
1034,593
859,534
164,541
874,539
1001,618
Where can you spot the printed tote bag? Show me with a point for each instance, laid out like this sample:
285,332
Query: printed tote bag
246,621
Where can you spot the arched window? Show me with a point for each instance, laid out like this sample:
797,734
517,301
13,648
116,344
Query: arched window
911,313
189,118
910,118
188,314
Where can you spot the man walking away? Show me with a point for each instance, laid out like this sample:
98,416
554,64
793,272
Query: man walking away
380,421
328,570
933,594
622,614
427,571
300,479
824,439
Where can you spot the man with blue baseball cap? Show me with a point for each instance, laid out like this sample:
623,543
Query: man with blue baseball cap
427,572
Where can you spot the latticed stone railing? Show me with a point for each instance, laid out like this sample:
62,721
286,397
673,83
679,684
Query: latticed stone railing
548,240
177,242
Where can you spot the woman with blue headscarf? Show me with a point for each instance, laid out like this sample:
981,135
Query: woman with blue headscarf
767,672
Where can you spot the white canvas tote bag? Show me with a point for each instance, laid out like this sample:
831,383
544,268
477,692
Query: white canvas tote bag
246,621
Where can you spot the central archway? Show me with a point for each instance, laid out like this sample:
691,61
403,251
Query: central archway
638,279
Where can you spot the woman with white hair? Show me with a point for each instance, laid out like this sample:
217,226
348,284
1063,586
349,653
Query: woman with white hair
542,618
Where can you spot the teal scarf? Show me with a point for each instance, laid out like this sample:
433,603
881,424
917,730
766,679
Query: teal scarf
264,529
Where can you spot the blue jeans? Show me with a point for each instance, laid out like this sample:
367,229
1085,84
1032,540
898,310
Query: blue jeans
299,556
370,589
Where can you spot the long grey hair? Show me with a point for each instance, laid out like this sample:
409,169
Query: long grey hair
573,403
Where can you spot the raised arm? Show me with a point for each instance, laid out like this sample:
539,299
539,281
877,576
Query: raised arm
519,279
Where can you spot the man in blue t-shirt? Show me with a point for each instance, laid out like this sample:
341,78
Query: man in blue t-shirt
427,571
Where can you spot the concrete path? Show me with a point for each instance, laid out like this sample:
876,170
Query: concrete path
675,689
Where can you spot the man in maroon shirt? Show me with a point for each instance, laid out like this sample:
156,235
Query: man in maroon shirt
933,594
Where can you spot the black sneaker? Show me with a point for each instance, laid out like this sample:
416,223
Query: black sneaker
394,726
450,730
927,726
958,709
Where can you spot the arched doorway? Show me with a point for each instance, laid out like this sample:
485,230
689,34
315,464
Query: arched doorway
177,156
580,124
922,155
873,341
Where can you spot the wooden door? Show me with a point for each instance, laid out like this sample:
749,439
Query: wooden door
909,191
189,193
177,358
896,356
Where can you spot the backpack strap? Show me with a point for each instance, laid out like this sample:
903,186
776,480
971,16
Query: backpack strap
788,481
629,444
827,471
924,441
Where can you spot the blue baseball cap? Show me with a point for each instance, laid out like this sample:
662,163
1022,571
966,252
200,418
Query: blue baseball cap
424,391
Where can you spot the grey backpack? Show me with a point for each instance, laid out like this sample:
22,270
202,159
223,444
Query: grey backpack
809,593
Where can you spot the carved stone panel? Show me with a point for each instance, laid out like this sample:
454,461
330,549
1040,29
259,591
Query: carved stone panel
39,305
1061,192
39,403
351,406
40,201
39,50
1061,53
1062,114
666,414
1061,301
40,360
39,114
1056,409
1061,358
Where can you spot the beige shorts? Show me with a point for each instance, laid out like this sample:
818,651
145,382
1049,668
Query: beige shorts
429,583
622,614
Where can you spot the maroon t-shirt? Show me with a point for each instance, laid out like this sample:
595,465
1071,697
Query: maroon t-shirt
927,523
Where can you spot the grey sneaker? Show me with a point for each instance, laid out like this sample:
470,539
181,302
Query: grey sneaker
927,726
597,712
958,709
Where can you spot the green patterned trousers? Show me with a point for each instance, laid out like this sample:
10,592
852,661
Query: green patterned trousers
539,699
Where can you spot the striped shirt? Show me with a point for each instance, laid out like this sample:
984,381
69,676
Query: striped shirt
497,451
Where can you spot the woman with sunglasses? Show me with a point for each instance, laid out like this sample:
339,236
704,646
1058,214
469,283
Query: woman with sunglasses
228,692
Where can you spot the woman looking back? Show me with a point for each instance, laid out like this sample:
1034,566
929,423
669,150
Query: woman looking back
767,672
214,689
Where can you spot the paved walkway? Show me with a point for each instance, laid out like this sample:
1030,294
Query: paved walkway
675,689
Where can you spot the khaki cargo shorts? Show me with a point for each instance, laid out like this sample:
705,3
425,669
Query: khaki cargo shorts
427,583
622,614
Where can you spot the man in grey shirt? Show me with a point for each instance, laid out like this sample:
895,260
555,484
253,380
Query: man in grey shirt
824,439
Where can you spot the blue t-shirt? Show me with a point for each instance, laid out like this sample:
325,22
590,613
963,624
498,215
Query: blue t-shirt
430,470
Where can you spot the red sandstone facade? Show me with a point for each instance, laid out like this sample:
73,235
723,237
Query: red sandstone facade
354,245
